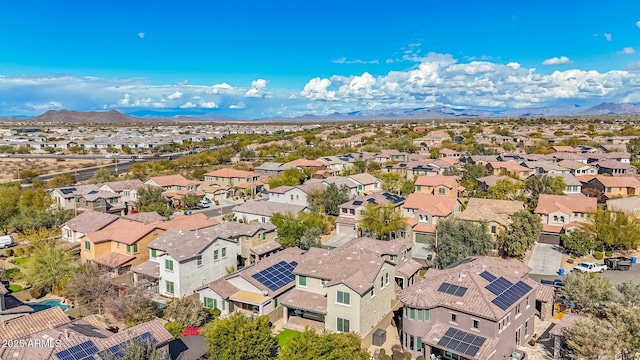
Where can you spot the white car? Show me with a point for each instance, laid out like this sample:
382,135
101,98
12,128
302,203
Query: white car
4,155
589,267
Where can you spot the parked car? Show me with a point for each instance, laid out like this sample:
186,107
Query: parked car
590,267
58,153
4,155
555,283
6,242
618,263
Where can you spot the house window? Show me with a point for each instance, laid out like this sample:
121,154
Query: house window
215,255
224,252
608,189
404,255
208,303
419,343
403,234
69,233
454,317
526,328
411,342
555,218
323,282
264,236
494,229
392,258
199,260
343,325
168,264
135,248
224,304
381,282
412,314
169,285
373,291
87,245
476,324
153,253
263,220
418,187
386,279
517,309
441,191
527,301
427,314
128,249
302,280
291,196
343,298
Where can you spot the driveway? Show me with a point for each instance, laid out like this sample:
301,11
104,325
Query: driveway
545,259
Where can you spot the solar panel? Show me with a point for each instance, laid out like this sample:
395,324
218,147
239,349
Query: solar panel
511,295
499,285
461,342
371,201
357,202
452,289
487,276
67,191
81,351
87,330
277,275
119,351
92,192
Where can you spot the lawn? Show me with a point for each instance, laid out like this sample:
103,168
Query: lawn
15,288
19,261
285,336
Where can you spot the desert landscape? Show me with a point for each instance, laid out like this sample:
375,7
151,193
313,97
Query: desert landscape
10,166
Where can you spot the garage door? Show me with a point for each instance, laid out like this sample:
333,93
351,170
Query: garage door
547,238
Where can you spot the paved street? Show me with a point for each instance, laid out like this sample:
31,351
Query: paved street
545,259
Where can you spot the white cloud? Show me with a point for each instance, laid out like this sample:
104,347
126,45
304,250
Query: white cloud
187,105
316,89
256,88
221,88
237,106
208,104
141,35
607,36
343,60
638,24
176,95
626,51
556,61
125,100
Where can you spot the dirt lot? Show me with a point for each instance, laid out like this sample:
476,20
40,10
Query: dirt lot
9,167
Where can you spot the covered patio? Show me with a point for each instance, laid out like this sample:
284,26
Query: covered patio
147,275
304,309
114,263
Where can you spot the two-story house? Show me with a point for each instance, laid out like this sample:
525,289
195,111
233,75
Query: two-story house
615,168
310,164
439,185
445,152
88,221
255,242
511,168
482,308
485,182
573,186
66,198
295,195
495,213
578,168
342,182
422,212
262,211
366,183
560,212
347,221
127,189
174,183
182,261
231,177
611,187
102,201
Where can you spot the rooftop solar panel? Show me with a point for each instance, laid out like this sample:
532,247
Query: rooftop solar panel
487,276
499,285
357,202
461,342
82,351
277,275
511,295
452,289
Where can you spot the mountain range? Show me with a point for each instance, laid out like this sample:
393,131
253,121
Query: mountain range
426,113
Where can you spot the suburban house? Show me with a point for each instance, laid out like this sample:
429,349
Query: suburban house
495,213
350,288
511,168
560,212
127,189
428,167
338,163
311,164
613,186
564,148
485,182
88,221
578,168
629,205
347,221
10,307
256,289
366,183
439,185
255,242
545,167
271,168
65,198
479,309
180,261
444,152
423,211
295,195
232,177
174,183
573,186
615,168
100,200
262,211
384,156
339,181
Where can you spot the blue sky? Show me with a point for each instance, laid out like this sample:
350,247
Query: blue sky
249,59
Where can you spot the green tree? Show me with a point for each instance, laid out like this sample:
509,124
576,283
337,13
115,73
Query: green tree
391,182
407,187
132,307
126,149
187,311
290,177
615,230
543,184
507,146
506,189
9,196
333,197
312,345
630,291
592,339
293,229
49,267
521,234
24,149
90,288
139,349
49,149
61,180
35,198
28,174
579,241
103,175
190,200
152,199
474,171
588,292
434,153
76,149
381,221
247,154
360,166
458,239
240,337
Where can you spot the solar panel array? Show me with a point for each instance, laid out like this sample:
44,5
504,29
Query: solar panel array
276,276
119,351
371,201
67,191
357,202
393,198
461,342
87,330
92,192
452,289
487,276
499,285
511,295
82,351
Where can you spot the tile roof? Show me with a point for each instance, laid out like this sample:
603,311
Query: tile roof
572,164
36,322
272,166
546,294
566,323
306,163
617,181
187,222
569,179
231,173
117,186
113,259
364,178
630,205
432,204
499,211
173,180
221,287
145,217
493,179
89,221
613,164
281,189
267,208
411,267
150,268
477,300
183,244
548,204
448,181
305,300
122,231
339,181
508,166
266,248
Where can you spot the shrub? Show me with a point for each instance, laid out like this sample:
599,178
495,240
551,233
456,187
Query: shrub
36,293
570,261
19,252
59,159
407,355
397,355
598,255
396,347
608,253
174,329
386,357
8,252
420,357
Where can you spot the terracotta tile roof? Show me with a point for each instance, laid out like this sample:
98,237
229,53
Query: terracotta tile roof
424,228
117,186
266,248
572,164
548,204
267,208
173,180
122,231
617,181
411,267
586,178
306,163
449,181
305,300
90,220
145,217
564,149
113,259
410,221
551,228
546,294
221,287
613,164
493,179
566,323
499,211
183,244
432,204
231,173
187,222
346,220
630,205
26,325
508,166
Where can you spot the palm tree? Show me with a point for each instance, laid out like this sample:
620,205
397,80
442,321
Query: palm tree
381,221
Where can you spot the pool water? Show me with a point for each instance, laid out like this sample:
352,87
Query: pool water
46,304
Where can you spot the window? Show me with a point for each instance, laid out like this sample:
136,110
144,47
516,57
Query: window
343,298
373,291
454,317
215,255
169,285
302,280
135,248
526,328
403,234
199,260
418,187
323,282
264,236
263,220
411,342
527,301
381,282
608,189
69,233
518,337
128,248
392,258
386,278
404,257
517,309
476,324
441,191
224,304
208,303
291,196
419,343
412,314
153,253
555,218
224,252
168,264
420,314
87,245
494,229
343,325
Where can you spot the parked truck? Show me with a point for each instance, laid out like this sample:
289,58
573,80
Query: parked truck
590,267
618,263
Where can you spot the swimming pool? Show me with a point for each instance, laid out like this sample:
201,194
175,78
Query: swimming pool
46,304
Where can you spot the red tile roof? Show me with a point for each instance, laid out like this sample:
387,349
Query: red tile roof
548,204
448,181
508,166
173,180
618,181
432,204
307,163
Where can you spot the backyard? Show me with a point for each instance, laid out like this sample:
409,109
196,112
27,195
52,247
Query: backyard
286,335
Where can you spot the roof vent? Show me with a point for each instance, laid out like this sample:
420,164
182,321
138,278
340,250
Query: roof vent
419,291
